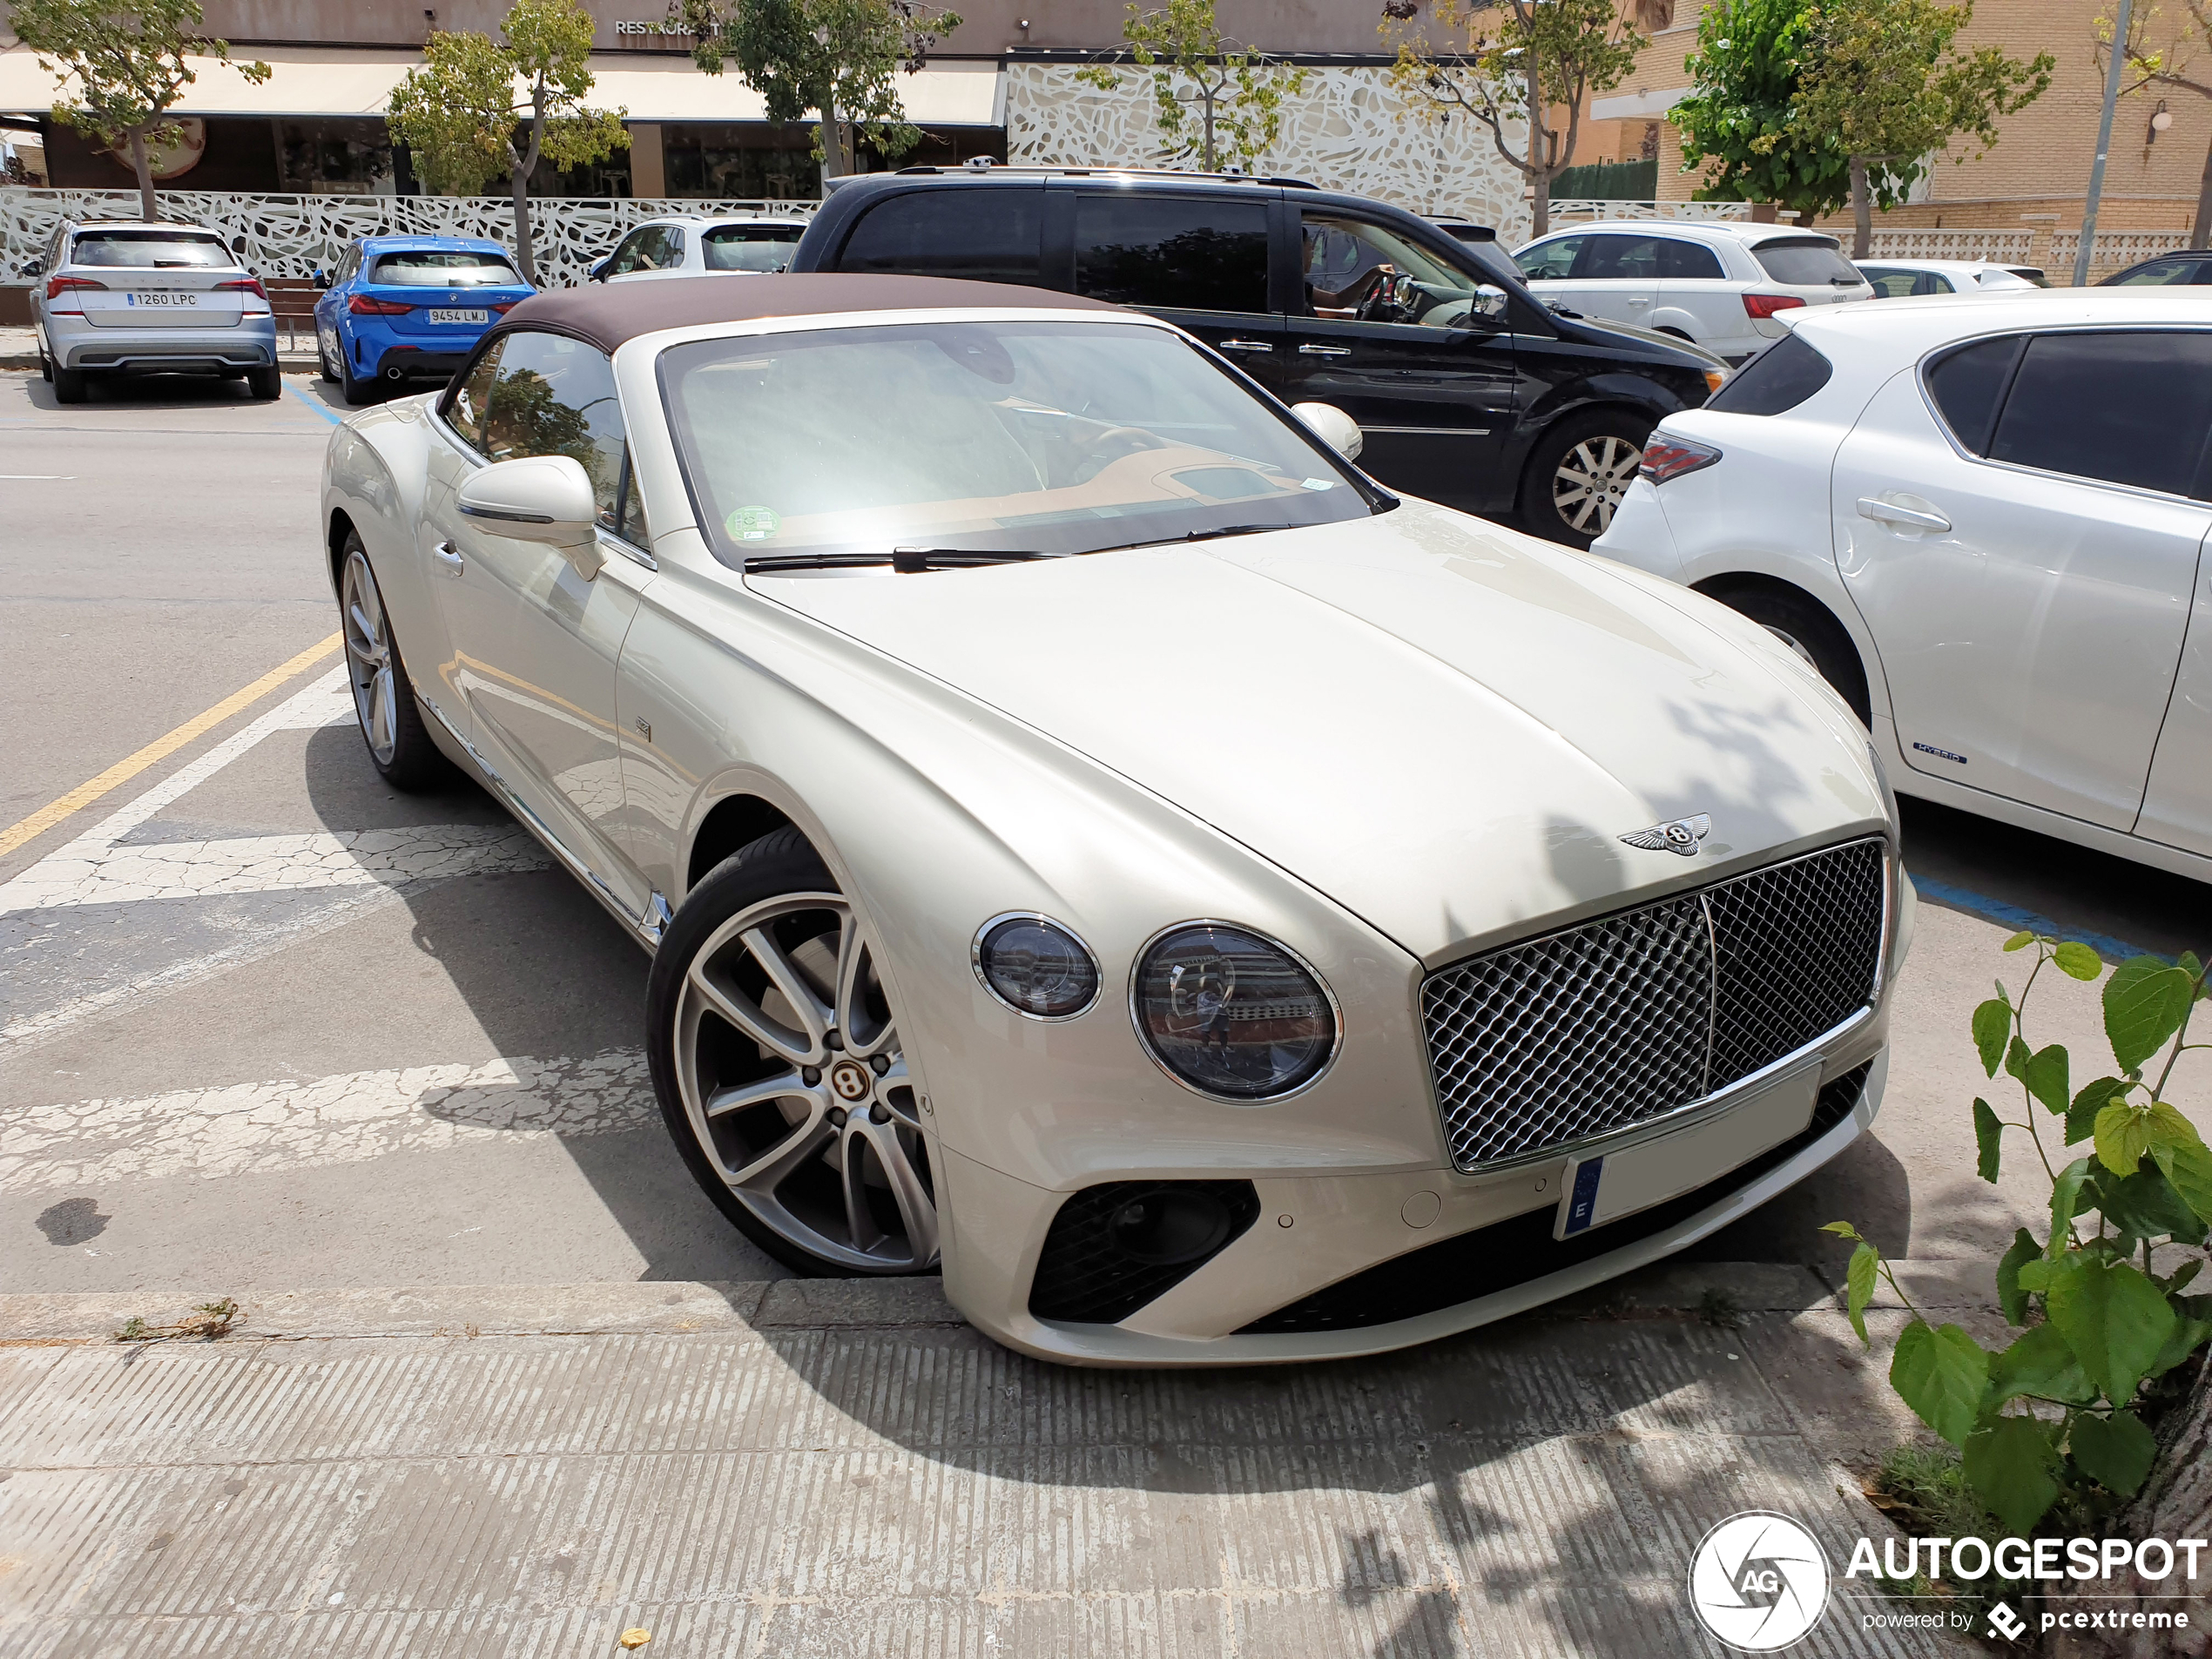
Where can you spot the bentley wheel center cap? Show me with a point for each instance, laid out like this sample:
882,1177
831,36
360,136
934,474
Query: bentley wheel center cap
850,1079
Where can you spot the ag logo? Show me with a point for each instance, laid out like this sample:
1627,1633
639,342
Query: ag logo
1758,1581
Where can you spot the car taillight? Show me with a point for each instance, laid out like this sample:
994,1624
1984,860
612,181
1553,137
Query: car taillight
504,306
361,306
1665,458
1765,305
57,286
252,285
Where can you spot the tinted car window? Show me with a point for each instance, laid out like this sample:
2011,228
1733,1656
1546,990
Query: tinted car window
2160,270
987,235
465,404
1550,258
2131,408
1145,250
638,252
151,250
1805,261
749,248
1688,260
1609,258
1781,377
552,395
1967,384
1346,257
438,268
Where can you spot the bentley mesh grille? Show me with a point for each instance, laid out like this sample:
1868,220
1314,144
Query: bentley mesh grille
1637,1015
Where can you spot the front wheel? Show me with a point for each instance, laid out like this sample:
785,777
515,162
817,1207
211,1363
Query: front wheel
781,1072
1579,472
391,724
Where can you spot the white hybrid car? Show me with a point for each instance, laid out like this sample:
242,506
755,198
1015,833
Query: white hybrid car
1093,838
701,244
1721,284
1903,278
1984,519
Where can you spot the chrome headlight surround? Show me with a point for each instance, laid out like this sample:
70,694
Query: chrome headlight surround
1317,1070
976,960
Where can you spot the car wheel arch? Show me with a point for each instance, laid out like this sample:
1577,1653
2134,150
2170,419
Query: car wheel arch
1723,588
734,822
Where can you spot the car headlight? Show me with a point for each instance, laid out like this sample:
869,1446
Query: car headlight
1231,1013
1036,967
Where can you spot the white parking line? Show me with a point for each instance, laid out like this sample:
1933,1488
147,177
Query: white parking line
260,1128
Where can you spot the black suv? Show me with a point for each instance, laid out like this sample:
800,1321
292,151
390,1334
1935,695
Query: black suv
1468,389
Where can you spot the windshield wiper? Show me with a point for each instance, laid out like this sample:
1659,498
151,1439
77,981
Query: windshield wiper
906,561
1199,536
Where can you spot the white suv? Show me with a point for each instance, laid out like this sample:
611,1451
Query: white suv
1719,284
1982,519
697,244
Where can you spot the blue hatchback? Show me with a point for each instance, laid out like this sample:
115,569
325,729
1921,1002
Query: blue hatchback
400,308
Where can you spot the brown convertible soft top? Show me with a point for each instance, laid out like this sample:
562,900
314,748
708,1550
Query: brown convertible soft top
608,313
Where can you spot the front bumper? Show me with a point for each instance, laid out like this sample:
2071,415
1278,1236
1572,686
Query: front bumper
251,343
1402,1239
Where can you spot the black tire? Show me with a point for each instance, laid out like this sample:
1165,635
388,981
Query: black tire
413,764
46,367
356,392
322,360
1601,450
265,384
1804,625
69,385
779,866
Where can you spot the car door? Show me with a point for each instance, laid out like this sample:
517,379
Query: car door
1692,293
1411,347
2014,522
1616,276
1199,261
534,641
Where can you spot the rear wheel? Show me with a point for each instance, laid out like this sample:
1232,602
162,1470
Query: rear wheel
69,385
1578,473
356,392
384,702
781,1071
1804,625
265,384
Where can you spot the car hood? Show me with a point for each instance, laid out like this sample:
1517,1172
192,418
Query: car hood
1445,726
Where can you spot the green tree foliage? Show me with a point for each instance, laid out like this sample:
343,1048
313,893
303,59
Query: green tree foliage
461,118
1504,63
1219,100
839,58
1739,121
127,59
1886,89
2171,57
2106,1315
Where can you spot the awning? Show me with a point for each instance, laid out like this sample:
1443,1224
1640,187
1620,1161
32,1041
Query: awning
313,80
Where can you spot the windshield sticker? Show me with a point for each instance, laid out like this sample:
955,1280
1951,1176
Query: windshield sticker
752,524
1317,483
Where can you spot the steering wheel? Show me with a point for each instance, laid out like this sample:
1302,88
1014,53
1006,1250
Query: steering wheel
1388,297
1111,445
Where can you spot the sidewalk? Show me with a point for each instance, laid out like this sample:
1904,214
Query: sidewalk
19,348
835,1468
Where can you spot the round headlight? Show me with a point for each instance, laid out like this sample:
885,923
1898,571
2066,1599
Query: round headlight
1232,1013
1036,967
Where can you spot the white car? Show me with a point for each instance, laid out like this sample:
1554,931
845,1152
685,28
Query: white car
1718,283
699,244
1091,836
1903,279
1984,519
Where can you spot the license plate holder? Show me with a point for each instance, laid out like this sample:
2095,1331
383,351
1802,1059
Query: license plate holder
446,314
1610,1185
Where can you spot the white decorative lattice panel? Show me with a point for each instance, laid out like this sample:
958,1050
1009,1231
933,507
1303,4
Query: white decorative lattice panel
1349,131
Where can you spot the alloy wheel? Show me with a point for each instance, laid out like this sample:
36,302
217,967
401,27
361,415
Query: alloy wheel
790,1067
1592,479
1794,644
368,659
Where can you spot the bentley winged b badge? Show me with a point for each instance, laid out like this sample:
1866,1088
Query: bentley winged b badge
1682,836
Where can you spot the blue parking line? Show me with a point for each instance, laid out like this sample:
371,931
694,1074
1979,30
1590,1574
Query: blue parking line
2011,915
335,420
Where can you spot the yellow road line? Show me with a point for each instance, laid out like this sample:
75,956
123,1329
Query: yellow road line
92,788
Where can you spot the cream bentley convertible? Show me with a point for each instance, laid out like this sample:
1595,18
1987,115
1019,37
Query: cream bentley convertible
1092,838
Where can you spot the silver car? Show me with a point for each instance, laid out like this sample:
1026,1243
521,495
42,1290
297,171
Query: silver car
127,297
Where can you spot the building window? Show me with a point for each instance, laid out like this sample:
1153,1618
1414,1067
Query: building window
338,157
741,160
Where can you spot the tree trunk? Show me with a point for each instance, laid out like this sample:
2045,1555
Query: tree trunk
1207,157
2201,234
522,256
1862,211
147,210
1540,178
2177,1503
833,137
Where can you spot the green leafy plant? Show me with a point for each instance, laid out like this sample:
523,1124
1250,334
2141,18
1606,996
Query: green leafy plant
460,116
2059,1412
1216,98
1739,123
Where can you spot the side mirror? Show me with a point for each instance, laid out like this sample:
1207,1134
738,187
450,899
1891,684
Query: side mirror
547,499
1329,424
599,271
321,277
32,269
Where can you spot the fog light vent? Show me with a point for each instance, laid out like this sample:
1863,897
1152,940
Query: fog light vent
1112,1249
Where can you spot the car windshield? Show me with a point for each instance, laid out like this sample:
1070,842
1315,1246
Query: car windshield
751,247
151,250
1805,262
1039,437
443,268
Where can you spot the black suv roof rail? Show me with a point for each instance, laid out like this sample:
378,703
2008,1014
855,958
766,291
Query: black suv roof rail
991,166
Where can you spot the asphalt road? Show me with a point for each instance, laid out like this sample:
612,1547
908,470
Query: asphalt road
232,1062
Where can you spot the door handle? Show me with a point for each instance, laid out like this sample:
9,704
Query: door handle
1324,351
448,558
1910,517
1639,301
1245,345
